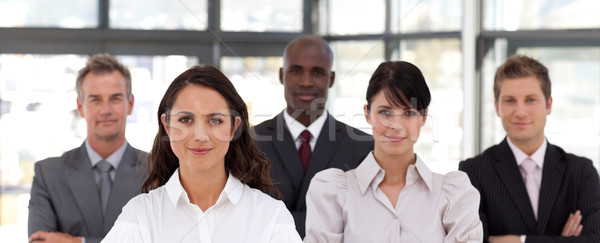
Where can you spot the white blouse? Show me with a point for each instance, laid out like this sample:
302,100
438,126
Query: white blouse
350,207
241,214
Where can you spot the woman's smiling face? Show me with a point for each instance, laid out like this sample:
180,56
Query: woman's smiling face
200,127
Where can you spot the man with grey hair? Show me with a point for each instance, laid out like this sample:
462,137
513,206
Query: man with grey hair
304,139
78,196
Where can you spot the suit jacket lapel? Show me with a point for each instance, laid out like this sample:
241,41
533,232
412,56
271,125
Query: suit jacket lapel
552,177
80,179
286,148
124,186
324,148
506,166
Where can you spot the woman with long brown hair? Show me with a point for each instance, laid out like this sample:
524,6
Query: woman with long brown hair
207,182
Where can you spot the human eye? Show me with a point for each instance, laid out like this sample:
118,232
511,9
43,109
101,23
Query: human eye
185,120
411,112
319,72
385,112
215,120
294,70
508,100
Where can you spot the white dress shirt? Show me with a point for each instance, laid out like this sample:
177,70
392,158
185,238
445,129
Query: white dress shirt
241,214
350,207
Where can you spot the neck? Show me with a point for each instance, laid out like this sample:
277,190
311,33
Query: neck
395,166
528,146
105,147
203,188
305,117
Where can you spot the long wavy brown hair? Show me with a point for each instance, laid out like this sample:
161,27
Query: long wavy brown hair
243,159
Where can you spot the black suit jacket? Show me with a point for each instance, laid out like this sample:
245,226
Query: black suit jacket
338,146
65,198
569,183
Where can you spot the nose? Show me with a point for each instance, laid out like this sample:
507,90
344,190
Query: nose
306,80
392,121
520,110
201,132
105,108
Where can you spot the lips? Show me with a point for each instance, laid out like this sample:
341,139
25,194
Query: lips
107,121
306,96
395,138
200,151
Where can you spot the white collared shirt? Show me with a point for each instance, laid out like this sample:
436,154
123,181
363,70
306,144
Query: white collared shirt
296,128
537,156
241,214
349,207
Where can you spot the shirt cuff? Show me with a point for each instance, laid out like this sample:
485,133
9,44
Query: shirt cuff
83,239
523,237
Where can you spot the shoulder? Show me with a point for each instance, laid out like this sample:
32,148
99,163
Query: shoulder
145,202
264,127
351,132
456,184
330,178
573,161
479,160
55,163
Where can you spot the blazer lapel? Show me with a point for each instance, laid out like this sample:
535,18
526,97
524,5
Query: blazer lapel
321,157
506,166
125,186
552,177
81,182
286,148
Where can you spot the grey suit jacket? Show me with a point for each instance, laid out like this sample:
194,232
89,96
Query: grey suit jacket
338,146
64,195
569,183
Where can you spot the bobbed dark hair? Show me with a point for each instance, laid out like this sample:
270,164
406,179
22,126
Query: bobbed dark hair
243,159
402,84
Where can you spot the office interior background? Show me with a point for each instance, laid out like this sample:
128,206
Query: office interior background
458,44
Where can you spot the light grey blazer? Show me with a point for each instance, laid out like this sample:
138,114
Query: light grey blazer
64,195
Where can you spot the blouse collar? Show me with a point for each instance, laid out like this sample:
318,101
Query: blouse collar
370,174
232,191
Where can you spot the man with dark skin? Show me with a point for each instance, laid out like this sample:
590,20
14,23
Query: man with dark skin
307,76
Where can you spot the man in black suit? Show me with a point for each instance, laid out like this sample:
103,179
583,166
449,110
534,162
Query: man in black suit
531,190
306,76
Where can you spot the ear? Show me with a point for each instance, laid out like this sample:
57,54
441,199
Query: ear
367,115
331,79
236,124
497,109
163,120
281,75
130,105
549,106
80,108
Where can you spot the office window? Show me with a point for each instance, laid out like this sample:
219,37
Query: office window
39,118
440,61
425,16
41,13
549,14
159,15
261,15
353,17
354,63
256,79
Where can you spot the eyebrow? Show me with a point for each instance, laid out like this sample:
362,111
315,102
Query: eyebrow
112,95
187,113
389,107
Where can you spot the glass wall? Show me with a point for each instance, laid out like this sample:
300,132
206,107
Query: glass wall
44,43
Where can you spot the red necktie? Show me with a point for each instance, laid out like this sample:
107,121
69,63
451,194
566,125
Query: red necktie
304,150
